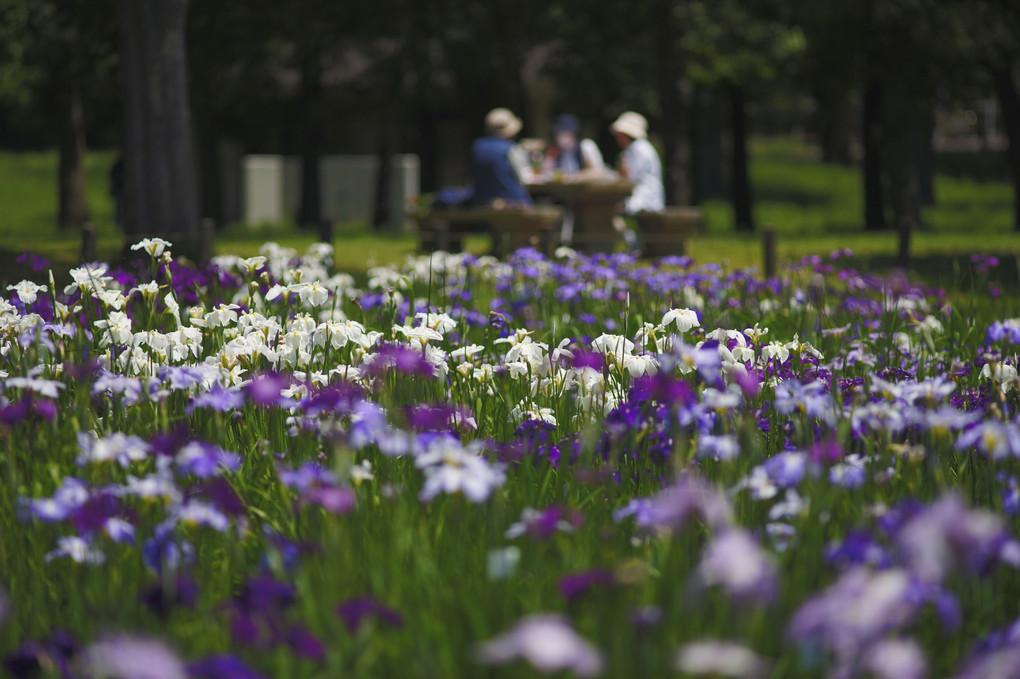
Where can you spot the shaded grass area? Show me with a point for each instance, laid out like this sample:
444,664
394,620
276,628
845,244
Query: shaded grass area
814,208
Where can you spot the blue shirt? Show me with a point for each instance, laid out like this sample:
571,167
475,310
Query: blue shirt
494,174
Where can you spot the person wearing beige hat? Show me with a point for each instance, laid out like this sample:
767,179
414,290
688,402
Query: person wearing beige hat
499,165
639,163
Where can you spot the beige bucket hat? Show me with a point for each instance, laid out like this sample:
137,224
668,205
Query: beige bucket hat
502,123
631,124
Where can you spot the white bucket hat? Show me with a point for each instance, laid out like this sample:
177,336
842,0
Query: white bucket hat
502,123
631,124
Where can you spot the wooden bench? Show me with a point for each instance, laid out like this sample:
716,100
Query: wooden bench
666,232
509,228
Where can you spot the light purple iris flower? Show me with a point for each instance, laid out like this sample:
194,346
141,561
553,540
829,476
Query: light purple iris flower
548,643
671,507
131,657
734,561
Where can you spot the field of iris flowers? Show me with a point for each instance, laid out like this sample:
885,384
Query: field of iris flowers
465,467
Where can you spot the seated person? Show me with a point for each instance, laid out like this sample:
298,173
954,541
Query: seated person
498,165
639,163
571,156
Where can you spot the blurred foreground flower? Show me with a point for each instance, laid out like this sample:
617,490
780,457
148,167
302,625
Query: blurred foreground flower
548,643
720,659
355,611
130,657
221,667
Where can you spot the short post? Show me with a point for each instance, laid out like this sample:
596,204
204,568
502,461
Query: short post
206,229
88,242
768,237
326,231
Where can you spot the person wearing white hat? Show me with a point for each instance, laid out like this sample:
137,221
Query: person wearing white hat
639,163
498,165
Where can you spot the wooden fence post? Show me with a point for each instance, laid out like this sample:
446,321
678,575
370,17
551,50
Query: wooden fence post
88,242
768,237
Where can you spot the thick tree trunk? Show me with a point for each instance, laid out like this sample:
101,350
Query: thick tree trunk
160,189
833,121
428,151
381,216
210,190
901,130
1009,102
675,145
72,208
743,204
310,210
871,138
706,141
924,157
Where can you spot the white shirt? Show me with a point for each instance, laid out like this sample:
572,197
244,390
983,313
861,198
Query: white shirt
591,160
641,165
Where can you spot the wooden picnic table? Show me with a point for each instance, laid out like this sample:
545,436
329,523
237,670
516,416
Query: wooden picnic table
594,203
510,227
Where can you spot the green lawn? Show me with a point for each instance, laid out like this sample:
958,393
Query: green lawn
814,208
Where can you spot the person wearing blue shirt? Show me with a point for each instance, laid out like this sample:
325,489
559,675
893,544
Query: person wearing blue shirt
499,165
571,156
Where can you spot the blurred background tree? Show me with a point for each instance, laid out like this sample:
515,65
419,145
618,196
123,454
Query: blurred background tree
861,80
58,63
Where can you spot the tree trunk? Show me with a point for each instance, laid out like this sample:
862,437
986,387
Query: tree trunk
1009,102
833,122
160,190
210,190
72,209
428,151
743,205
310,210
381,217
675,145
706,140
924,157
901,115
871,137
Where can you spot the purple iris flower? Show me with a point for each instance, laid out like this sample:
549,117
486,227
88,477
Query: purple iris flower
304,643
222,495
857,548
826,451
574,585
734,561
672,506
66,500
28,660
26,407
355,611
588,359
548,643
664,389
131,657
219,399
435,417
264,390
204,460
403,360
221,667
786,469
163,596
36,262
164,551
342,398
